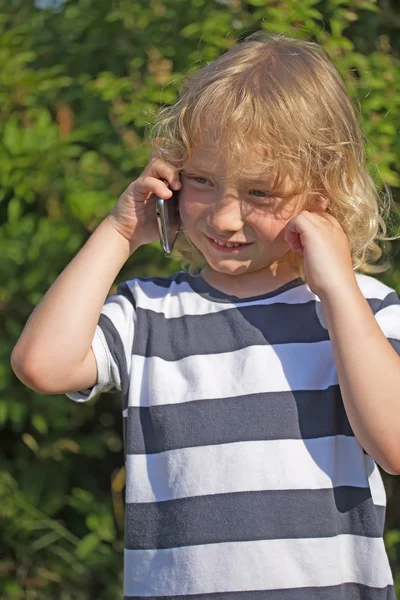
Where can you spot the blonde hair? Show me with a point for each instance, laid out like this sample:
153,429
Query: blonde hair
286,95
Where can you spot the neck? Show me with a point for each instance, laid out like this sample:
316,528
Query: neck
248,284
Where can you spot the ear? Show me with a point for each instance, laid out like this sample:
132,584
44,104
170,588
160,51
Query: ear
317,203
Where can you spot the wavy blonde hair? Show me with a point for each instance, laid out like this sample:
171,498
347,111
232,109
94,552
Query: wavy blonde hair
286,95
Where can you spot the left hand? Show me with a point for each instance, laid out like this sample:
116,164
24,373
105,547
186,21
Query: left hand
320,239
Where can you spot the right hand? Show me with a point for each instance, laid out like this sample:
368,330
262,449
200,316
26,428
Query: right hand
134,214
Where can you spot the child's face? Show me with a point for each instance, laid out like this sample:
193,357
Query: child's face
215,206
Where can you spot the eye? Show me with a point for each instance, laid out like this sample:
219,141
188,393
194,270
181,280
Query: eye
201,180
261,194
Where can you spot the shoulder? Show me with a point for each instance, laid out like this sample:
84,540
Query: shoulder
372,287
376,292
139,288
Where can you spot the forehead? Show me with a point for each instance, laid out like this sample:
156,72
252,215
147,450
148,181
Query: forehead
254,162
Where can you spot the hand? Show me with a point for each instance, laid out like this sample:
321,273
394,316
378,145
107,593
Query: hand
320,239
134,214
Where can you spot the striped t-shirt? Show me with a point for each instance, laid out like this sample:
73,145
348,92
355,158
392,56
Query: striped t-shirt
244,480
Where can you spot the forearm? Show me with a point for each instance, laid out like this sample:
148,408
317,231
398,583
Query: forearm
369,375
60,330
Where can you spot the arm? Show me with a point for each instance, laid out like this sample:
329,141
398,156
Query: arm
53,354
367,365
369,375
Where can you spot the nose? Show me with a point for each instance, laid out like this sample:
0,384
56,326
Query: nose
225,215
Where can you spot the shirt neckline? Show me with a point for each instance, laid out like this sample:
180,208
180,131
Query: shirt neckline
207,291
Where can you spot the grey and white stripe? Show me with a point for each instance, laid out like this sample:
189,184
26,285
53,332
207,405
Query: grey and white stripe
258,565
244,480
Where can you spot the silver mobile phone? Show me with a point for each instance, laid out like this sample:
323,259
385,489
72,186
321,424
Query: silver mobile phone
168,220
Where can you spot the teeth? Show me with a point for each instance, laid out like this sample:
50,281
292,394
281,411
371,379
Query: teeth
227,245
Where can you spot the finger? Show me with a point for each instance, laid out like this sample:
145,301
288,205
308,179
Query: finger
293,240
291,236
296,225
331,219
301,223
155,186
322,219
161,169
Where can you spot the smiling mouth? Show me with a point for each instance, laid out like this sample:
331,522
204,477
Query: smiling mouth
227,246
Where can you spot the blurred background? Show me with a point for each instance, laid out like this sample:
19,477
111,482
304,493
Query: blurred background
80,82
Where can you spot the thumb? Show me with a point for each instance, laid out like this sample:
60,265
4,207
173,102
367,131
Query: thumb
293,236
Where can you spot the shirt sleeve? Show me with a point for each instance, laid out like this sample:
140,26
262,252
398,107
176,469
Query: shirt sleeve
388,318
112,345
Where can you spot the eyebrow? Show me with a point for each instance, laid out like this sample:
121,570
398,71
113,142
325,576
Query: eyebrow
195,168
256,178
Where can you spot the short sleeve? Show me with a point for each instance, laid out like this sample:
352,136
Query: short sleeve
388,318
112,345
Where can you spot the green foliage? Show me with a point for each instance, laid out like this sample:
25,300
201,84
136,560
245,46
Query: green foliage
79,86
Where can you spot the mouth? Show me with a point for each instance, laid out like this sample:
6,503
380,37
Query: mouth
230,247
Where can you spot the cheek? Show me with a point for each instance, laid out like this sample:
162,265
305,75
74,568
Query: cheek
272,225
271,228
184,211
189,210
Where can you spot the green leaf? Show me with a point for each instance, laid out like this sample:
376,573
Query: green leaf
44,541
14,210
3,412
12,136
87,545
39,423
103,525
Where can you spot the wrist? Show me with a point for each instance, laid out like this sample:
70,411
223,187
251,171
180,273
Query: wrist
347,299
340,290
123,236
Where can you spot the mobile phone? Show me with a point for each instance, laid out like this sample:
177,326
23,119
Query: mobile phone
168,219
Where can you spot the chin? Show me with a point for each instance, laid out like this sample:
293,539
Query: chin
230,268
